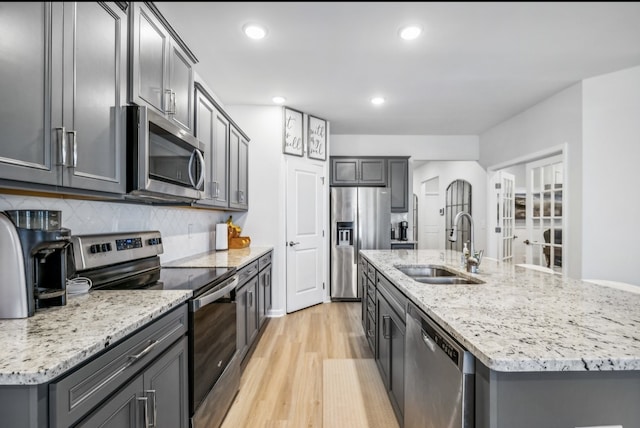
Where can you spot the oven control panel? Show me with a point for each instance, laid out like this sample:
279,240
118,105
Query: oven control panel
92,251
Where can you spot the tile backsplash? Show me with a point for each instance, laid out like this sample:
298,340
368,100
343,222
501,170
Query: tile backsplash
185,231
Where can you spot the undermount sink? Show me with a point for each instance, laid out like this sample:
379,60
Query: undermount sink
430,274
424,271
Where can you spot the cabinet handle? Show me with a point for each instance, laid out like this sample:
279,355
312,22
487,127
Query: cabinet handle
385,326
62,146
173,102
167,101
250,294
154,412
216,189
145,401
73,147
142,353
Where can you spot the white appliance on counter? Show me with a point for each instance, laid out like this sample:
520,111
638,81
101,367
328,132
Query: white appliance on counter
360,218
222,236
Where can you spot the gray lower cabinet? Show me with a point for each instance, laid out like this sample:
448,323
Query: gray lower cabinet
247,307
238,169
66,79
212,128
157,397
144,375
264,288
347,171
399,184
161,67
391,328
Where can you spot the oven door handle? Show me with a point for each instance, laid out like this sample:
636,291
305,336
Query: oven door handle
202,301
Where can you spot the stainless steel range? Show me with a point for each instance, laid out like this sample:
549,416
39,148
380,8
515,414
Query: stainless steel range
131,261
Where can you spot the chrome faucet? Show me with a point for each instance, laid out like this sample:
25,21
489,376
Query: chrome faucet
474,259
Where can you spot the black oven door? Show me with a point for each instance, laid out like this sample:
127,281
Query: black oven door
212,338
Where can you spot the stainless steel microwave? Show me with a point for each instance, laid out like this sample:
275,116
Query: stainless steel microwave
164,162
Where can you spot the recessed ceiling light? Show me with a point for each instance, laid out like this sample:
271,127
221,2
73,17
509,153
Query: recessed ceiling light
410,32
279,100
254,31
377,101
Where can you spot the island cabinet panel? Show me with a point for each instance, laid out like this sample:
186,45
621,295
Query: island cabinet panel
556,399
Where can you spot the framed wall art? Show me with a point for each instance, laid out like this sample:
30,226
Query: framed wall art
293,139
317,138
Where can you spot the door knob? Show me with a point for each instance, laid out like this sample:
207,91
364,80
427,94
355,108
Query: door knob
527,242
291,243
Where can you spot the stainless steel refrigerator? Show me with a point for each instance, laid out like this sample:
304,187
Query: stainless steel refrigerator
360,220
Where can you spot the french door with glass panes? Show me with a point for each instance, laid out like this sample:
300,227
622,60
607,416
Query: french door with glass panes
544,212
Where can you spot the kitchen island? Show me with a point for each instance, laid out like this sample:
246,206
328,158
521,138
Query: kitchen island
550,351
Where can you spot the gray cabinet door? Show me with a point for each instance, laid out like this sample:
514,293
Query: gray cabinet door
150,47
123,410
238,170
181,87
212,128
252,310
262,285
373,172
166,388
344,172
28,146
399,185
94,88
268,296
241,320
358,171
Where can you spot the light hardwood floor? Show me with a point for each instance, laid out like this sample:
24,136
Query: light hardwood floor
282,384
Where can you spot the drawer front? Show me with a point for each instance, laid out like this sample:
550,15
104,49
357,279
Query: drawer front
371,290
396,299
73,396
364,266
264,261
371,272
247,272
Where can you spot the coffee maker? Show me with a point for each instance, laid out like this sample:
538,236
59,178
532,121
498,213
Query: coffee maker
404,226
36,261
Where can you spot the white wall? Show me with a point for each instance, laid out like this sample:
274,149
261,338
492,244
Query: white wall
554,122
611,157
265,220
419,147
448,171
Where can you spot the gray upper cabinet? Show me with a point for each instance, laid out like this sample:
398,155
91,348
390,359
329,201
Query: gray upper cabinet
358,171
212,128
399,184
161,67
66,79
238,169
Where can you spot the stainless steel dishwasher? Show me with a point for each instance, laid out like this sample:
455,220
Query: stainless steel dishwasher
439,377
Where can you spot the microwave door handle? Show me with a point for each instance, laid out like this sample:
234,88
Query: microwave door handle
190,168
202,168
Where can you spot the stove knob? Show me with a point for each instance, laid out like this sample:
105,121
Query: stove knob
108,246
103,248
94,249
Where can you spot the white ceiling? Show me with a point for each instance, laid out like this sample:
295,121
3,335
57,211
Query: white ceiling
476,65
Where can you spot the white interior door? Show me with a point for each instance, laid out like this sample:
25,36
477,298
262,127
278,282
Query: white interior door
505,227
306,252
544,212
432,225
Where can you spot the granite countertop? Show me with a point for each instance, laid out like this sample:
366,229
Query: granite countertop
521,320
237,258
37,349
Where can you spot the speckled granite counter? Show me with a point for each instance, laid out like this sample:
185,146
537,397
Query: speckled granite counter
230,258
522,320
39,348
